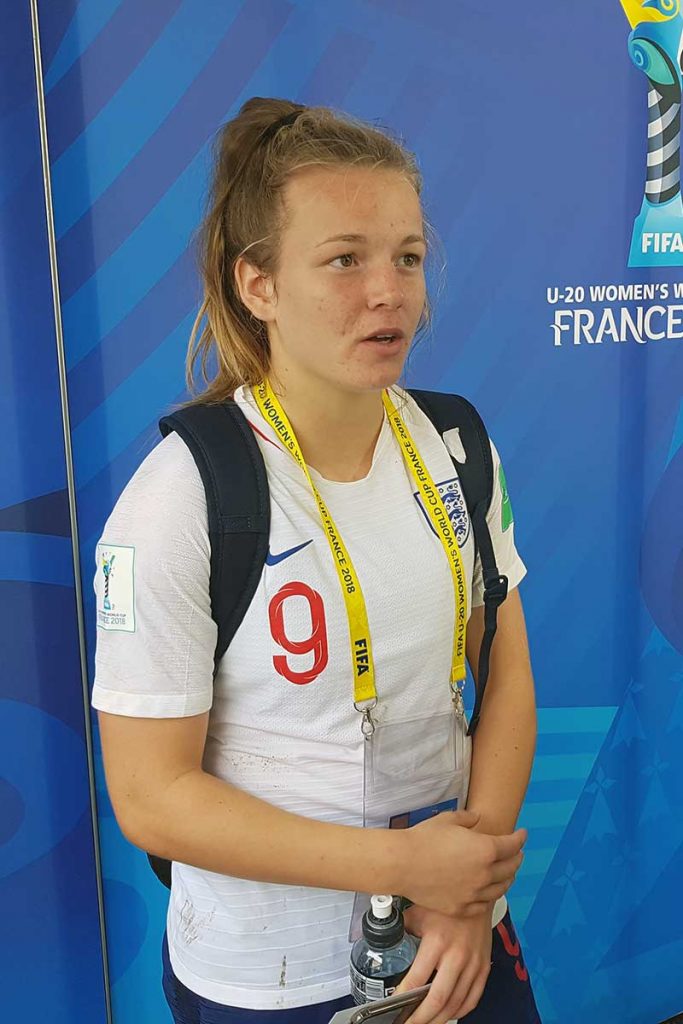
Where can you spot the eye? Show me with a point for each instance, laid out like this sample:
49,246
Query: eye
415,259
344,256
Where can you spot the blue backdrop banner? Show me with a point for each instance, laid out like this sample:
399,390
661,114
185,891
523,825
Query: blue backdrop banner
51,955
548,136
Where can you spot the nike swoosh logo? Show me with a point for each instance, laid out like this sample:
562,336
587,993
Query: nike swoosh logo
272,559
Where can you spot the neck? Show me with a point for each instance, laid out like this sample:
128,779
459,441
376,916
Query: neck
337,430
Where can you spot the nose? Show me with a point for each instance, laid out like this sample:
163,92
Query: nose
384,287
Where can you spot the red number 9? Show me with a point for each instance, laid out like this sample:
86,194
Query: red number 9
316,642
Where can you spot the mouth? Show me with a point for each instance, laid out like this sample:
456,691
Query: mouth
385,346
387,339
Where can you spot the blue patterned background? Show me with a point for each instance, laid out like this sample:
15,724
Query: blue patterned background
50,950
529,123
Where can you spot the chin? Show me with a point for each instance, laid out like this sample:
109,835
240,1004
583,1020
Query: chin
388,375
376,375
378,380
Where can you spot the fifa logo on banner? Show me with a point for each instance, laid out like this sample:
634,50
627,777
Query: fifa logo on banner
655,47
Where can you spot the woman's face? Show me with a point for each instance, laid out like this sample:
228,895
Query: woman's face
331,295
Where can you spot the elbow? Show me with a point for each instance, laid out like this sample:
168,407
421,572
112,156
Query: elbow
149,819
132,823
140,826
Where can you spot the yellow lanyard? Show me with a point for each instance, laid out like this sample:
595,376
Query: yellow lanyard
364,691
445,533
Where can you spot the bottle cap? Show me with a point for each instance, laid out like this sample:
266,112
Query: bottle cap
382,906
383,923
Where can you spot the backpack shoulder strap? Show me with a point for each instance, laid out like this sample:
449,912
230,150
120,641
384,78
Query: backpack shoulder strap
238,506
476,475
238,509
453,411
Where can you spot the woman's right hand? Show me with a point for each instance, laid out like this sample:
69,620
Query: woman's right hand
455,870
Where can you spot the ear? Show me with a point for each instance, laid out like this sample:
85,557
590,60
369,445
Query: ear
255,289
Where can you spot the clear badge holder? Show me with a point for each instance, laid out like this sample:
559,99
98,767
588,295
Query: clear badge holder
412,770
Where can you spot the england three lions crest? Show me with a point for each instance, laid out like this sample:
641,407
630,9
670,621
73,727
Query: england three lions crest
453,500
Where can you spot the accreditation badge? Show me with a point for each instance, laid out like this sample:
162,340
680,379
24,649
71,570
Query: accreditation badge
412,770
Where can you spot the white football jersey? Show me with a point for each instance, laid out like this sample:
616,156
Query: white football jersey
282,723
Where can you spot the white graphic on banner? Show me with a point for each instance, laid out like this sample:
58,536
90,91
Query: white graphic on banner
593,314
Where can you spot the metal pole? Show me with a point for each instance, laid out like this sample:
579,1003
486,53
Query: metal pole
71,489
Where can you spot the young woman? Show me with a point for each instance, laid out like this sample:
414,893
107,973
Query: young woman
258,784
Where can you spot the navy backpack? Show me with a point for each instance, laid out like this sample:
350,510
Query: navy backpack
238,504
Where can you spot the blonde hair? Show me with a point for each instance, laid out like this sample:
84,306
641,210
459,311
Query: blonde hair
256,154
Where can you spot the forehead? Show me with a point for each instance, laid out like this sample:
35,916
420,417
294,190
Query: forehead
323,201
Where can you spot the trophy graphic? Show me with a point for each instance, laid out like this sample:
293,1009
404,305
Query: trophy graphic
654,46
107,564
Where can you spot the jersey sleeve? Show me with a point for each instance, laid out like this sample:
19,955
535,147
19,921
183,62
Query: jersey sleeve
502,529
155,635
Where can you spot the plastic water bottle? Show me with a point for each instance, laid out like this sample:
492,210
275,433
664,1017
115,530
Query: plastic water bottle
382,956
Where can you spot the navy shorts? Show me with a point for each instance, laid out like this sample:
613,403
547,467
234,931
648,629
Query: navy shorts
507,997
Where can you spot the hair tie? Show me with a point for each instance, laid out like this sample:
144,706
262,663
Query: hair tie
281,122
264,137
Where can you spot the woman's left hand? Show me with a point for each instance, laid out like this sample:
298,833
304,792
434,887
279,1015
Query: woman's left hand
459,950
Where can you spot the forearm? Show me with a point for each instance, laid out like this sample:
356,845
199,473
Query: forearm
204,821
505,739
502,753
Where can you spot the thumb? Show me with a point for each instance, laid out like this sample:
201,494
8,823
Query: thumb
510,845
466,819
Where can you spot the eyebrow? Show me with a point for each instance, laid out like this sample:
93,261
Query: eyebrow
362,238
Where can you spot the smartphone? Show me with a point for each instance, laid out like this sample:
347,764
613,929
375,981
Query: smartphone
392,1010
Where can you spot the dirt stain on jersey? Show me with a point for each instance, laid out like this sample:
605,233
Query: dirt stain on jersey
193,922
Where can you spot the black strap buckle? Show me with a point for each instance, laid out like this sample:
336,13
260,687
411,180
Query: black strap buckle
495,591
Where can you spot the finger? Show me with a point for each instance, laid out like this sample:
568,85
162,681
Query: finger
450,1011
466,819
471,1000
421,969
504,870
508,846
461,992
494,892
438,996
411,920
